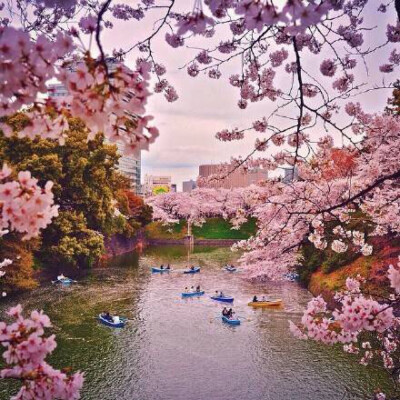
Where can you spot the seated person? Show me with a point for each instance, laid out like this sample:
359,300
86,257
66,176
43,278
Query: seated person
198,288
230,313
221,294
216,294
192,267
192,289
264,298
168,267
255,299
162,266
106,315
186,290
225,312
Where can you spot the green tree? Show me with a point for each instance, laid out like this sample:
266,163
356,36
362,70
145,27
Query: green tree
86,181
20,274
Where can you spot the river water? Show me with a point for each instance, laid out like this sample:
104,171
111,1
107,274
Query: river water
177,349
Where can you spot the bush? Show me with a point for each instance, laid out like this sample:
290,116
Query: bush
312,259
19,275
338,260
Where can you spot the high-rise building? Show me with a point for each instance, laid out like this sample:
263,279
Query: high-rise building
230,177
188,186
130,165
291,174
154,185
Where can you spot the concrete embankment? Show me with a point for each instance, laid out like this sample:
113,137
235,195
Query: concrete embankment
117,244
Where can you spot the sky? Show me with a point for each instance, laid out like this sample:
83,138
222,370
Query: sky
205,106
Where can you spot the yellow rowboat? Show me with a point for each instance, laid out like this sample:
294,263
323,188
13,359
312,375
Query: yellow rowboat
264,304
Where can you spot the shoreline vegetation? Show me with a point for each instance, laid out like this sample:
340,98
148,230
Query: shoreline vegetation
212,229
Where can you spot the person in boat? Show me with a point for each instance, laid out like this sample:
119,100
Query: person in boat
106,315
162,266
255,299
221,294
264,298
216,293
61,277
192,289
225,312
230,313
168,267
186,290
192,267
198,288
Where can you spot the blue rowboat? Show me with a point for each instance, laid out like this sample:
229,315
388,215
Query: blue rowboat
119,324
225,299
230,321
191,271
155,269
193,294
64,281
229,268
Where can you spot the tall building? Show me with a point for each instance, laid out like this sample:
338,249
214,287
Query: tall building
154,185
188,186
291,174
235,178
130,165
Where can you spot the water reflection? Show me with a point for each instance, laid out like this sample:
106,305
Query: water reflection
178,349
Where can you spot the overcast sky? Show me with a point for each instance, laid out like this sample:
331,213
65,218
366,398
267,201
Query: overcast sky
205,106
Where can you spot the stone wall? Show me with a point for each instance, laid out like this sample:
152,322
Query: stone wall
117,244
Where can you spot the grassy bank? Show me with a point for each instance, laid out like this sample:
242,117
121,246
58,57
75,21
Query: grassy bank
373,268
214,228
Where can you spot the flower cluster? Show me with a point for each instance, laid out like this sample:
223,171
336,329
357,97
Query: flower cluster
25,354
26,66
25,206
227,136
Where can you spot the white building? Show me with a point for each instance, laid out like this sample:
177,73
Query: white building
155,184
130,165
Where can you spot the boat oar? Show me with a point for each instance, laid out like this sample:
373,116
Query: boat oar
244,318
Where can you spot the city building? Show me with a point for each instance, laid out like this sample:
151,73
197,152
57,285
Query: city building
290,175
57,90
235,177
154,185
174,189
130,165
188,186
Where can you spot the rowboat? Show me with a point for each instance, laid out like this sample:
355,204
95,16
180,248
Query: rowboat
192,271
64,281
155,269
230,321
193,294
225,299
118,324
265,304
229,268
